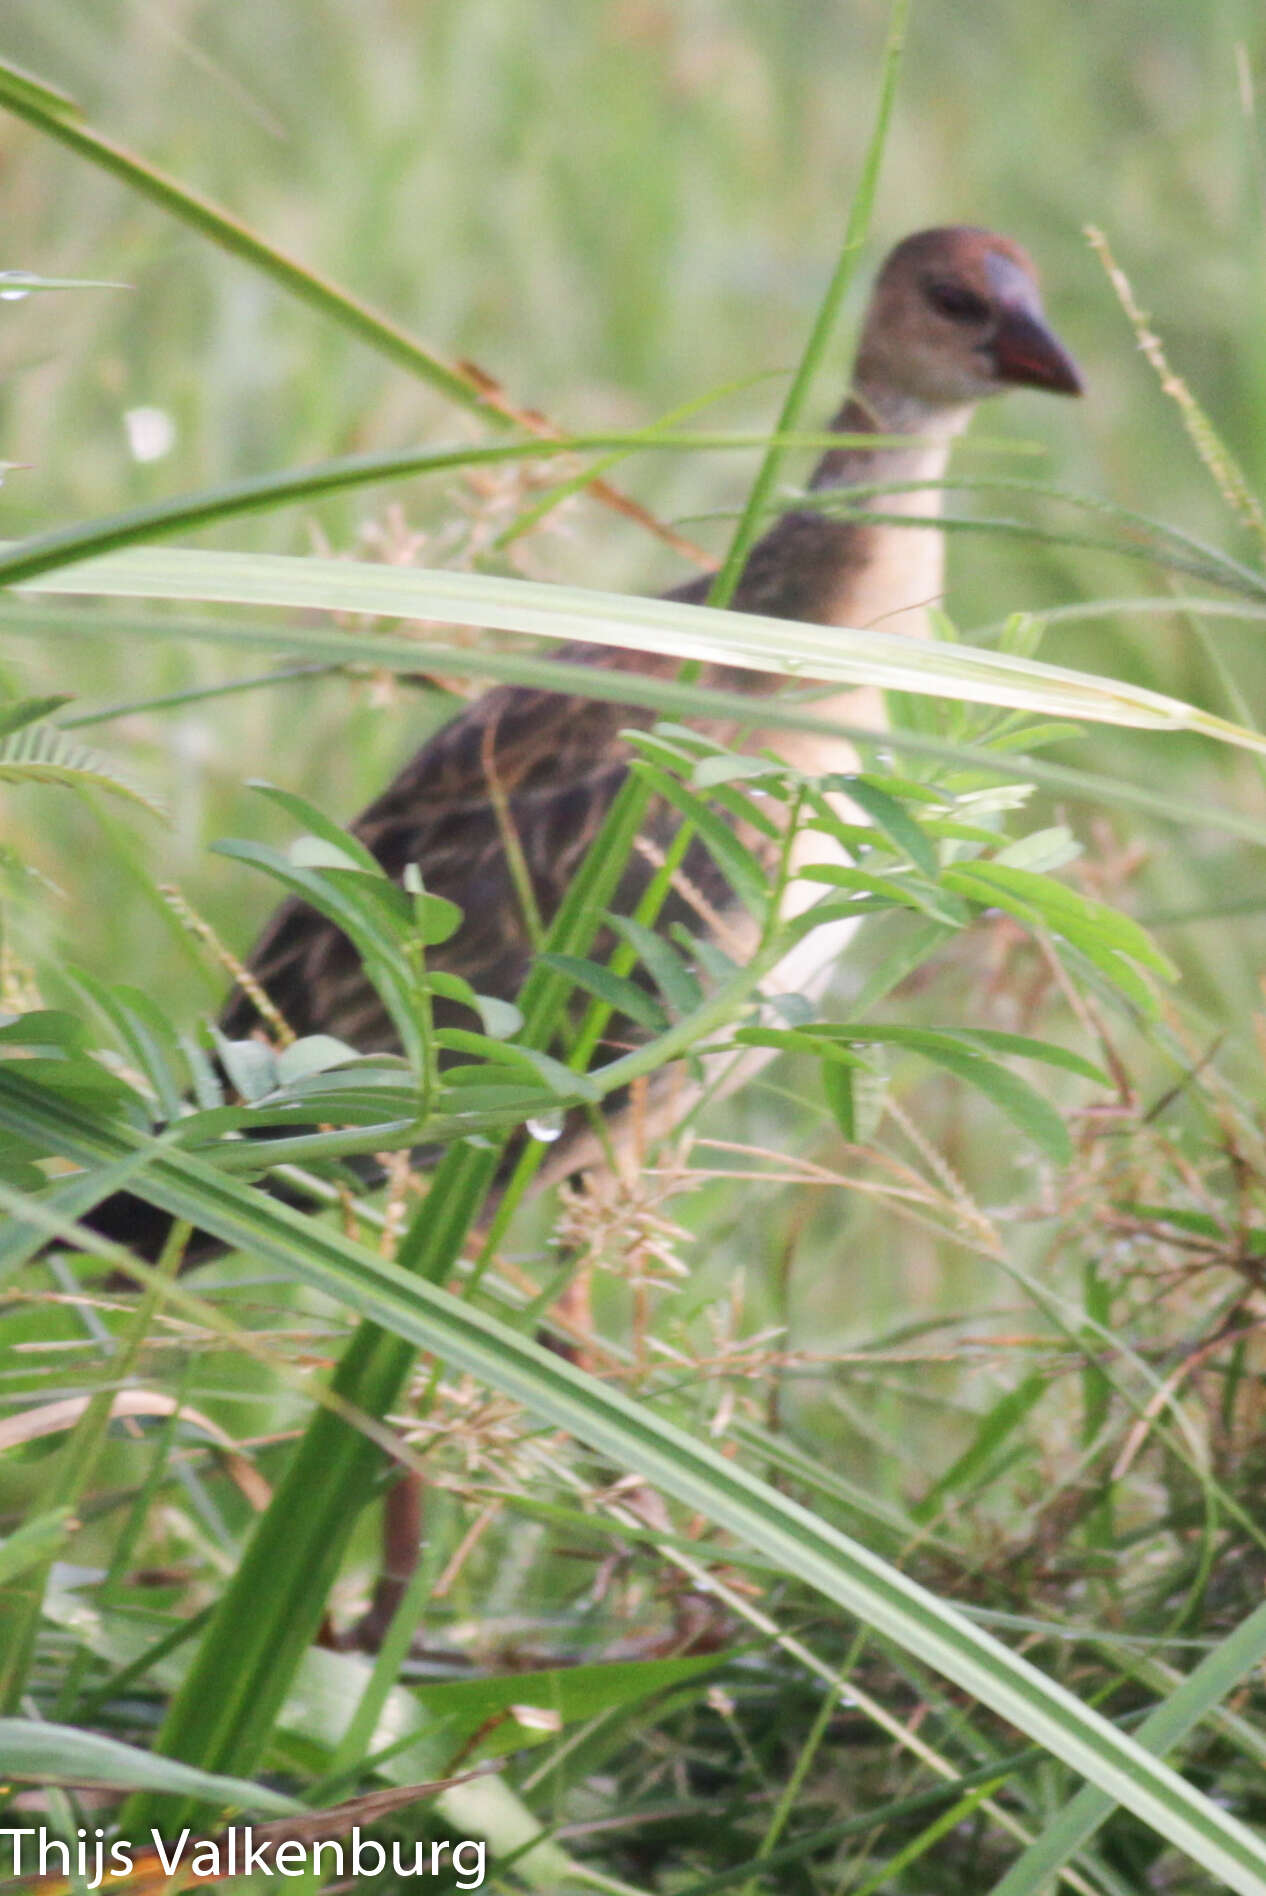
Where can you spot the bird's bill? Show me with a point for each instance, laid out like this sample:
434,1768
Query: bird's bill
1027,354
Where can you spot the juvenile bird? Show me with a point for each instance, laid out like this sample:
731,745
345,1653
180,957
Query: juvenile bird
955,316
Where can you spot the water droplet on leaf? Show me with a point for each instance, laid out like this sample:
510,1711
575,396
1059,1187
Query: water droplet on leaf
546,1126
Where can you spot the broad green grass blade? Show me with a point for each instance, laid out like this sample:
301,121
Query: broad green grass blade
831,654
1212,1681
396,651
679,1464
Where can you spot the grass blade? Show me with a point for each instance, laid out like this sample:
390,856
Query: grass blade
834,654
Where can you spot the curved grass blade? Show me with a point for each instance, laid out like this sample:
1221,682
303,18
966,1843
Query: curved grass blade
397,651
263,493
834,654
1201,1692
1159,540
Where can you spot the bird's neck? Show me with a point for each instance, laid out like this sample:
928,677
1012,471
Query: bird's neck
835,567
886,575
838,568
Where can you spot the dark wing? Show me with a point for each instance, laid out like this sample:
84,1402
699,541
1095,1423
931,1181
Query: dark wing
557,761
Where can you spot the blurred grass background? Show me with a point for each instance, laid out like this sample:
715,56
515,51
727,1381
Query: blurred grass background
615,209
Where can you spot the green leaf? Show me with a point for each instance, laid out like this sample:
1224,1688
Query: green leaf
993,1432
1195,1697
250,1065
40,753
500,1018
837,1089
563,1081
735,861
376,914
320,827
1031,736
20,89
614,990
1041,852
1063,911
958,1053
1014,1096
314,1053
969,1039
463,1707
896,890
798,1040
315,642
35,1543
435,917
891,817
86,1082
1200,1223
46,1029
316,852
833,654
28,711
731,767
671,975
147,1038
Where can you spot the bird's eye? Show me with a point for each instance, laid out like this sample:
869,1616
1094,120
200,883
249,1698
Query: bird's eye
959,304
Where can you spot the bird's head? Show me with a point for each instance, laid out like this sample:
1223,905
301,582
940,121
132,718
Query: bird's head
956,315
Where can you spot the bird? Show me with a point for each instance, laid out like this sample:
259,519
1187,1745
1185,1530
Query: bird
955,317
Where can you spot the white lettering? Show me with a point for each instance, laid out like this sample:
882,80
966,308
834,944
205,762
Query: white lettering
47,1846
256,1863
91,1854
206,1860
470,1876
15,1838
361,1844
170,1863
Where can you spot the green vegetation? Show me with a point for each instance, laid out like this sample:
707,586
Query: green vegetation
896,1525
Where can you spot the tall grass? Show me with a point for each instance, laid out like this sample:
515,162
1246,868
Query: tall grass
1020,1365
